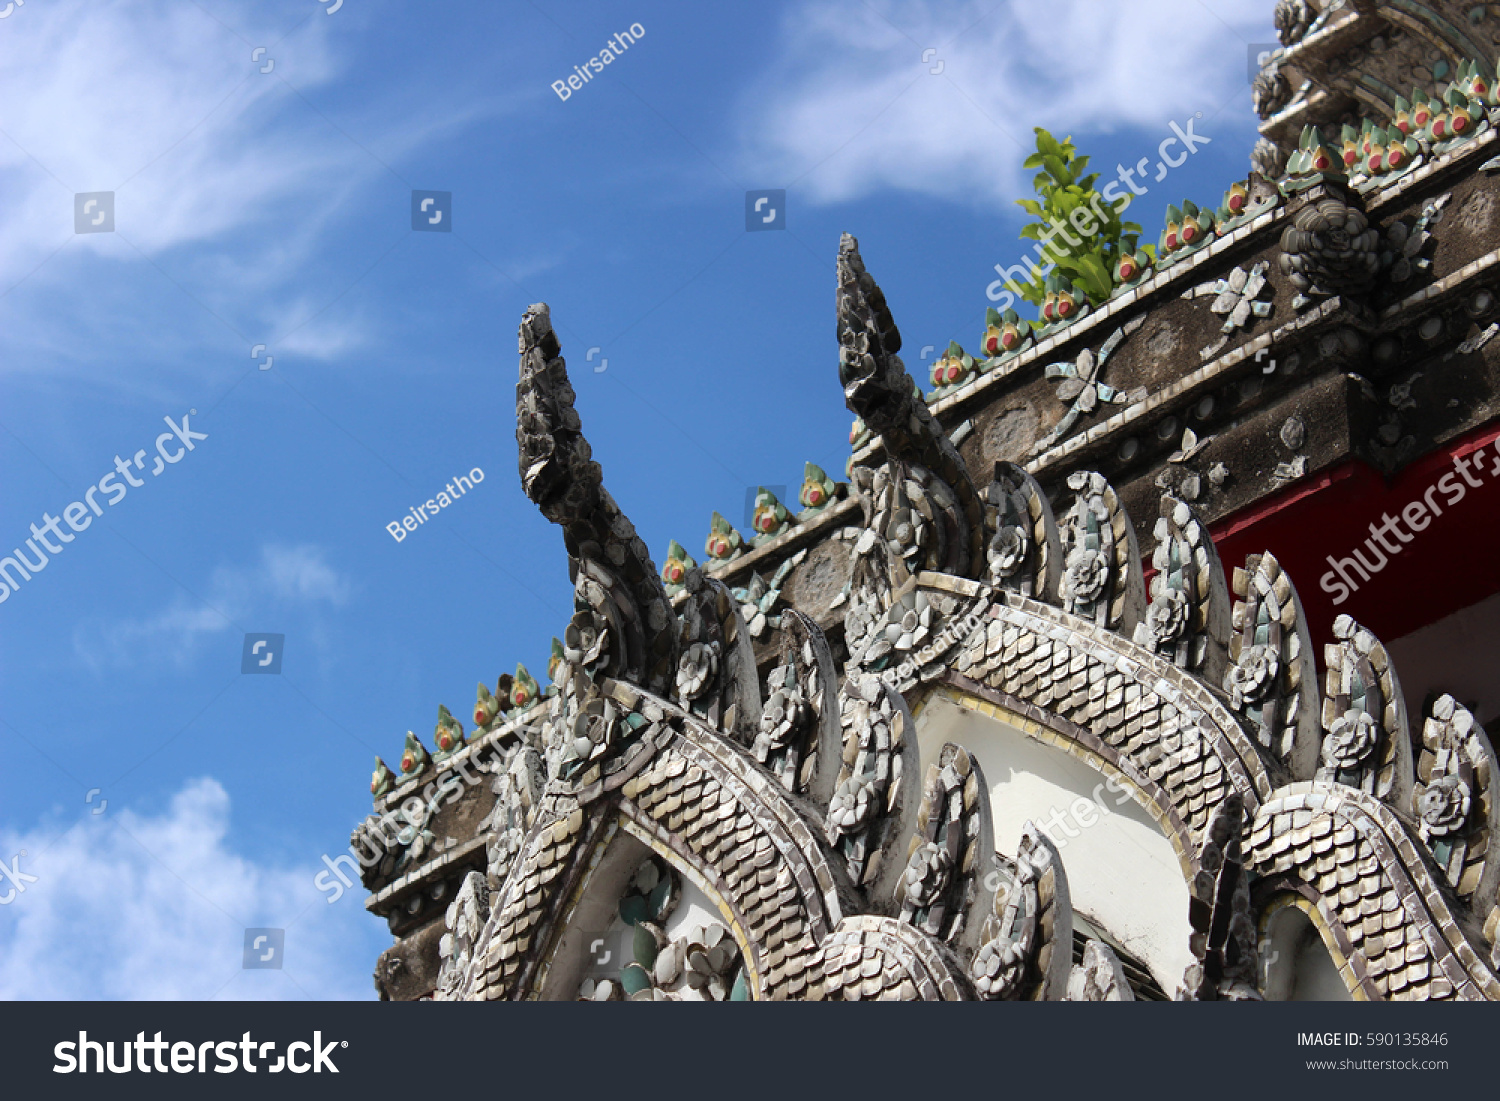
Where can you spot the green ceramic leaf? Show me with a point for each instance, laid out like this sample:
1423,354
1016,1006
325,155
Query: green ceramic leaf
644,947
634,979
633,909
741,989
656,906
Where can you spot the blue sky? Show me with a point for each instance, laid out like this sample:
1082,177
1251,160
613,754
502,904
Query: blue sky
274,208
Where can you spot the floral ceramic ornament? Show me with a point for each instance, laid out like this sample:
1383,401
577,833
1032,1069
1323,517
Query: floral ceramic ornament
486,706
1238,207
818,491
1187,228
1133,268
1312,162
675,570
1475,83
1352,147
382,779
1062,304
697,670
594,731
758,599
1082,387
1239,297
524,690
1401,120
1004,333
1457,123
414,758
769,518
1422,110
952,370
723,541
555,659
448,735
1389,152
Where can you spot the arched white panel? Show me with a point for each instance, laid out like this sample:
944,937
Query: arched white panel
1298,965
1123,873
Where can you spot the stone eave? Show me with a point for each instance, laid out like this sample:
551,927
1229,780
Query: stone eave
382,901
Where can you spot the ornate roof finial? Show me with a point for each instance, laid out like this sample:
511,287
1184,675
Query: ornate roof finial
617,587
878,389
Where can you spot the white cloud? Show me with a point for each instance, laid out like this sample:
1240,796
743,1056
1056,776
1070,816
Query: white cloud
154,907
287,579
96,93
230,181
850,107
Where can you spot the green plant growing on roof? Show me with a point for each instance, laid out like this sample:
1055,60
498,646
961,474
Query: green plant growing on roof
1085,248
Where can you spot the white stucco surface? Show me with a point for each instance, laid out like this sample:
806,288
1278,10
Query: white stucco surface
1122,872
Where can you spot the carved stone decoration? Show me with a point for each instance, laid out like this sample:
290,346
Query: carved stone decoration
909,523
1453,799
1271,680
1241,298
465,920
1101,574
872,574
518,789
1330,248
1024,551
1268,159
760,598
908,516
1270,91
1366,742
377,843
1187,621
561,478
1292,18
1099,977
716,677
1404,245
875,797
799,737
1223,939
878,389
1083,387
942,890
1026,943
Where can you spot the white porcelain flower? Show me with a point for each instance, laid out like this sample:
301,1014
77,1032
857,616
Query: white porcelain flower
696,669
1351,739
1444,806
1008,550
1250,679
1085,575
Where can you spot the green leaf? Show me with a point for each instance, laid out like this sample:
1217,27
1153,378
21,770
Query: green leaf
1031,206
